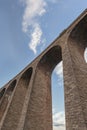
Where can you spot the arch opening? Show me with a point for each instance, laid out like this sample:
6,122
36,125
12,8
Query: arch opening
50,59
2,93
6,98
11,87
26,76
45,68
58,105
78,39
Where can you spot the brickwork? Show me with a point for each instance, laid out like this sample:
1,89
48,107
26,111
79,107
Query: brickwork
26,101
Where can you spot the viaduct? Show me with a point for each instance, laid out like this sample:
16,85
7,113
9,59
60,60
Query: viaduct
25,101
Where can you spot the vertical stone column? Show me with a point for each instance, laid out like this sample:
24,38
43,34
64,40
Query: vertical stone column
80,69
73,104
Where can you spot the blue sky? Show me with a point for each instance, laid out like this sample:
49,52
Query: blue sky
27,27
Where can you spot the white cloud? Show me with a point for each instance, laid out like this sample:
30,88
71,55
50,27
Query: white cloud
59,70
35,38
59,121
33,10
58,128
31,24
85,55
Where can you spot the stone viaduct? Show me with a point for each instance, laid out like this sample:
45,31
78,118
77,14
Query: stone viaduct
25,101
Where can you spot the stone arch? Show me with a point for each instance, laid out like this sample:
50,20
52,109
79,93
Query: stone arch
12,120
50,59
11,88
26,76
2,93
39,113
77,40
6,98
46,66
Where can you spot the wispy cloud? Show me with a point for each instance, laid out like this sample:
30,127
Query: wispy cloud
35,38
59,73
33,11
59,70
30,24
59,121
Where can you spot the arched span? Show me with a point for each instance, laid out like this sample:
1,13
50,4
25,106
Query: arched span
11,88
2,93
40,104
6,98
25,78
78,39
11,120
50,59
45,68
